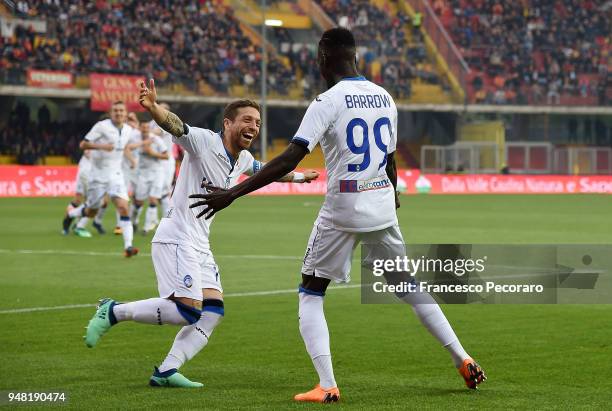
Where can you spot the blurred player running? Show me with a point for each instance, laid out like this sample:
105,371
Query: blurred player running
108,139
82,179
169,164
190,293
151,178
355,122
129,164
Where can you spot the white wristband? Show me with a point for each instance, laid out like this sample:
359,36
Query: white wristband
298,177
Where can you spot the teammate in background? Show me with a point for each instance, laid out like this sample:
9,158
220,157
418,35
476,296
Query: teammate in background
84,168
108,138
130,163
150,178
356,123
169,164
190,293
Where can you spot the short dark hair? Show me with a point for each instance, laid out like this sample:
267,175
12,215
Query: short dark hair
118,102
231,110
338,44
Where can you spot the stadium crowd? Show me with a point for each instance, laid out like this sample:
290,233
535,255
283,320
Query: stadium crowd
388,57
178,41
533,50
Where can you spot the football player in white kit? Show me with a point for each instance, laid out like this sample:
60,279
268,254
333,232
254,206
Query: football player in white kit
355,121
84,167
189,284
151,177
169,164
108,140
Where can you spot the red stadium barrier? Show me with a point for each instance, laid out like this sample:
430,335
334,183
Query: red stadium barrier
48,181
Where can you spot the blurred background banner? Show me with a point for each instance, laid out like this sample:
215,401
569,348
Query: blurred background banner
48,78
53,181
108,88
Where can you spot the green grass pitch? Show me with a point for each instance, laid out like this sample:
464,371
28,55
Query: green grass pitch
536,357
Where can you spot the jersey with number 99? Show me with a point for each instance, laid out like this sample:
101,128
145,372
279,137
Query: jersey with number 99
355,122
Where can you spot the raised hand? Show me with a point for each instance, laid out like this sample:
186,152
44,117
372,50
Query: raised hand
148,95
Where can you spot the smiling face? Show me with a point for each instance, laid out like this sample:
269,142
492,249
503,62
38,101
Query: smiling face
244,128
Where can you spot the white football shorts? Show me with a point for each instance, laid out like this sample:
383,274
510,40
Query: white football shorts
183,271
96,191
330,251
149,185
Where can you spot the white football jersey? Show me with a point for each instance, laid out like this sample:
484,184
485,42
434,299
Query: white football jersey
355,122
107,164
84,167
148,164
205,157
168,140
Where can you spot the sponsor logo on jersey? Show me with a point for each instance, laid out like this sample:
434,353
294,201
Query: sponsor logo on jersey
357,186
223,157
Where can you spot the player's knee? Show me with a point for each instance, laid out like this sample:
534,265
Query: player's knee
313,284
189,313
90,212
213,305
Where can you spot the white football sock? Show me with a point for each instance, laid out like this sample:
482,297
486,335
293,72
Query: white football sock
190,340
431,316
118,218
127,231
315,334
83,222
165,204
152,311
150,217
135,212
100,215
77,211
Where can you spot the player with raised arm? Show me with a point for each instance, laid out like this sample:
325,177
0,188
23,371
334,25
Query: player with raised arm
151,177
189,284
355,121
108,140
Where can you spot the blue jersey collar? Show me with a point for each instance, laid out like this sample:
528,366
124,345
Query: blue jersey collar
358,78
229,155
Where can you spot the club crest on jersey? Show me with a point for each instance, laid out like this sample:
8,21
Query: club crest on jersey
188,281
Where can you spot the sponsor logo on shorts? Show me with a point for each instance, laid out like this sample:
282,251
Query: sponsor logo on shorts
159,321
188,281
357,186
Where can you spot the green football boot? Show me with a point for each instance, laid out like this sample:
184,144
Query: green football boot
81,232
172,378
101,322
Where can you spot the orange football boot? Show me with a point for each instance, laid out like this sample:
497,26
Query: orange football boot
318,394
472,373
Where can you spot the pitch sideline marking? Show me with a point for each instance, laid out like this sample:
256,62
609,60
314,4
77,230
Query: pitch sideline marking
245,294
115,254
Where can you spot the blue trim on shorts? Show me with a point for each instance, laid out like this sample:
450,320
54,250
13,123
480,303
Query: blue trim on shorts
124,218
310,292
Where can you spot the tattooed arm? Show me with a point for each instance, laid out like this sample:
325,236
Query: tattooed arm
164,118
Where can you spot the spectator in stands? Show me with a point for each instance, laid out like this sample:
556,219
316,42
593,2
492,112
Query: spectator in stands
560,46
171,41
